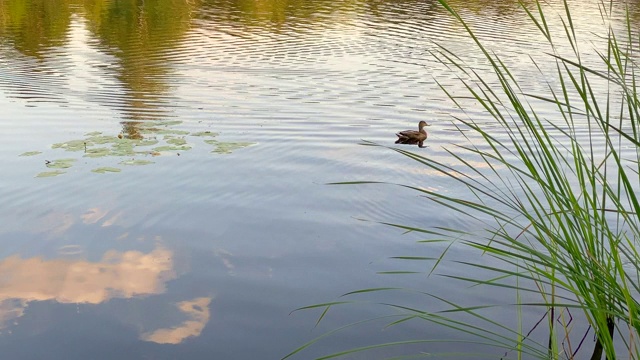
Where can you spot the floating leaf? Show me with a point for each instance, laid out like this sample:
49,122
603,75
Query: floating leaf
205,133
61,163
73,145
50,173
96,144
177,141
136,162
147,142
97,152
172,148
122,148
229,147
102,170
30,153
103,139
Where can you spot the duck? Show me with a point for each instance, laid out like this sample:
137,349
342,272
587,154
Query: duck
412,136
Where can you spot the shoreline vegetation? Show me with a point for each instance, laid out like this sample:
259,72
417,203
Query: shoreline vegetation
559,208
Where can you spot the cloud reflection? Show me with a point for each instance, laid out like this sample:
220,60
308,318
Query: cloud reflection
116,275
197,312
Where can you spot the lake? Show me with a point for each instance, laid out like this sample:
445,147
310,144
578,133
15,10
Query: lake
166,166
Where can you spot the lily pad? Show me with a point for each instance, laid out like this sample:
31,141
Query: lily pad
205,133
122,148
61,163
73,145
30,153
50,173
136,162
172,148
97,152
146,142
102,139
106,169
229,147
177,141
161,138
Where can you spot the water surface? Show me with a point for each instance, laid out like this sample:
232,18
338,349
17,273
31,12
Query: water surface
165,165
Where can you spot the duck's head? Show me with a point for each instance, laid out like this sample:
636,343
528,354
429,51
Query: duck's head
422,124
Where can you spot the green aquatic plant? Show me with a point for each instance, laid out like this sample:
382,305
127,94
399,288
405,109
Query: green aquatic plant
97,152
172,148
136,162
556,197
152,138
46,174
106,169
31,153
222,147
60,163
72,145
205,134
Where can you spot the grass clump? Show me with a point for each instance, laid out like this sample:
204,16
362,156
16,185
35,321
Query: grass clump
558,198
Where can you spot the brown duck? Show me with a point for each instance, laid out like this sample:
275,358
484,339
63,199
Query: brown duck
412,136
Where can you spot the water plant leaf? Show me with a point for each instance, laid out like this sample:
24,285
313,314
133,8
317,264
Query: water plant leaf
97,152
327,334
326,307
138,138
50,173
145,142
122,148
30,153
370,290
106,169
227,147
205,133
323,305
61,163
172,148
102,139
421,258
177,141
72,145
136,162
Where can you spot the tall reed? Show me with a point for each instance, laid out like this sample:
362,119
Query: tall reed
563,222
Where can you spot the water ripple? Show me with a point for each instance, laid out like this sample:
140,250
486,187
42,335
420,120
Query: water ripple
290,90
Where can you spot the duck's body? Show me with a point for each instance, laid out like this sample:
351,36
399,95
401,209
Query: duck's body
412,136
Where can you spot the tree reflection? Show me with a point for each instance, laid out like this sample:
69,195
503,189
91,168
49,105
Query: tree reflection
34,26
146,38
142,36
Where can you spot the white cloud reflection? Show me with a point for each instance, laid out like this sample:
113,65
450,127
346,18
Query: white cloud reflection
197,312
116,275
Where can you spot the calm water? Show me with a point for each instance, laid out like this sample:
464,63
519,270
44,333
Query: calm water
164,167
